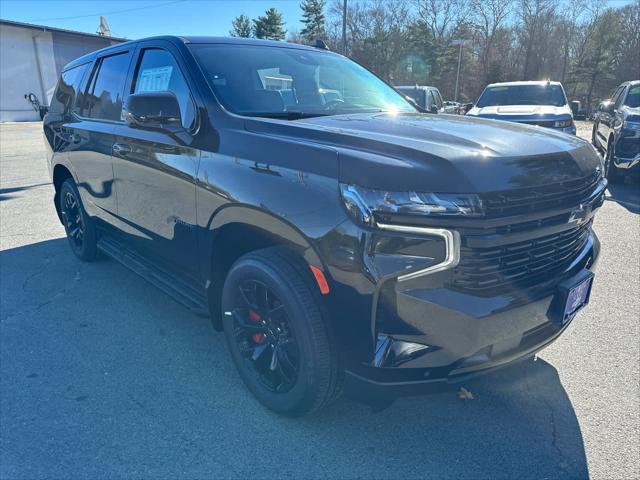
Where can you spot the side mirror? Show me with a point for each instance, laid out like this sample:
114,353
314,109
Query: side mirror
433,109
153,110
607,106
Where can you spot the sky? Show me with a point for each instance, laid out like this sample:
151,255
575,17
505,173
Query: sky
142,18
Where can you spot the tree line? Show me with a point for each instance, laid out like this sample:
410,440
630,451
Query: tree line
588,45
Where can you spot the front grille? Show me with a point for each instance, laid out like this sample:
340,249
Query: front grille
535,199
520,264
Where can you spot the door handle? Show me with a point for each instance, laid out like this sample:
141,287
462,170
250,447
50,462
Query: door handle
121,148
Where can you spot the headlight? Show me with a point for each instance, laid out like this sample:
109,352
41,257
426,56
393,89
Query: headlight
563,123
367,205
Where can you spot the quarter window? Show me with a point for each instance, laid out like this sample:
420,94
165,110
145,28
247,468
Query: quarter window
67,89
159,72
103,100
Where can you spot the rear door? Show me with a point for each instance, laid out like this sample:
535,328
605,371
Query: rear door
155,171
91,132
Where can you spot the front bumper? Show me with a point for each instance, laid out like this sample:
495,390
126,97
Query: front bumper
438,337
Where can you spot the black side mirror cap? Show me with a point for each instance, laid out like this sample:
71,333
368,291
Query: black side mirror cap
155,110
433,109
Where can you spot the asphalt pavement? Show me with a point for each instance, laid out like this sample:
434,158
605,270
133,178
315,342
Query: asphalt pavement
103,376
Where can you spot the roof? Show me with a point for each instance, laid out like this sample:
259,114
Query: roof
241,41
44,28
195,40
528,82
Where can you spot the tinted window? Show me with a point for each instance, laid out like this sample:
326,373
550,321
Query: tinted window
542,94
259,80
633,97
67,89
159,72
104,98
416,93
439,102
432,99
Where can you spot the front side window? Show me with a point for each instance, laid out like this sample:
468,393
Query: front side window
283,82
633,97
541,94
103,100
159,72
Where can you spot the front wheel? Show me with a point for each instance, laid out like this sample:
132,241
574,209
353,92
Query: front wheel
278,337
610,169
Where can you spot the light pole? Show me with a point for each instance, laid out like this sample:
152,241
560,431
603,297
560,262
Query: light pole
344,27
461,43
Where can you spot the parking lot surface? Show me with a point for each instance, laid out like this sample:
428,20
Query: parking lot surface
103,376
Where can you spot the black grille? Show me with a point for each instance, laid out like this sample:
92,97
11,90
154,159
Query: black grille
548,197
518,264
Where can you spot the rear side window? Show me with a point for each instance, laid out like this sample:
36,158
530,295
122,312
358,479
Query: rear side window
67,89
159,72
103,100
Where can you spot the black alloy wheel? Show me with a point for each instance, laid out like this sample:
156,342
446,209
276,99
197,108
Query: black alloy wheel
78,226
278,334
610,170
264,336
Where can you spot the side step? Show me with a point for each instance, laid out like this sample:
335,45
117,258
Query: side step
173,286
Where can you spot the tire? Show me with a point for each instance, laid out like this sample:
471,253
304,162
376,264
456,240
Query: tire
78,225
611,171
271,309
594,138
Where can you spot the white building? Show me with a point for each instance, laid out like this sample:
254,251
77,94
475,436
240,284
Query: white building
31,58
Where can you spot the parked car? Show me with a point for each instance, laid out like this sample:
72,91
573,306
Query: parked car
451,107
535,103
427,98
579,113
616,131
351,243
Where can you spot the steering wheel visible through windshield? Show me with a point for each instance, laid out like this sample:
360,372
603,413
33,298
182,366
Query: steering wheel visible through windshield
284,82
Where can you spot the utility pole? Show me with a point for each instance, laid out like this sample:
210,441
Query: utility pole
461,43
344,27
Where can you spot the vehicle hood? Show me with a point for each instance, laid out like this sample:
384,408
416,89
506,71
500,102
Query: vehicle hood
440,153
522,113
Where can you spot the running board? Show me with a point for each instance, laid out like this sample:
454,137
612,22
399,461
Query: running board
173,286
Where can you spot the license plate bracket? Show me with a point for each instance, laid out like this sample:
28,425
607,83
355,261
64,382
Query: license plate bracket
572,295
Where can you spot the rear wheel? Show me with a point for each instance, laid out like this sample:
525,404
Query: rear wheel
276,333
79,227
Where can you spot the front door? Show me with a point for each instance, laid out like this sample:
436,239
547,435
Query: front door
155,172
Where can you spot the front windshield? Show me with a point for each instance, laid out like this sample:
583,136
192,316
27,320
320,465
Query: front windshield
543,94
290,82
633,97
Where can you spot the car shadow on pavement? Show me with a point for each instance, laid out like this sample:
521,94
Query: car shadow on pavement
626,194
102,375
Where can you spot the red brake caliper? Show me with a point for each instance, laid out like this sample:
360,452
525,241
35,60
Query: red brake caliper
255,317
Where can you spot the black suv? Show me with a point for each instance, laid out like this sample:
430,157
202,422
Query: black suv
339,238
616,131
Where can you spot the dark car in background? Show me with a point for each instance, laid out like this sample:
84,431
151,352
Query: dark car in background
541,103
339,238
427,98
616,131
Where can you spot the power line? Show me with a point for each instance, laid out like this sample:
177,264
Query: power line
107,13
